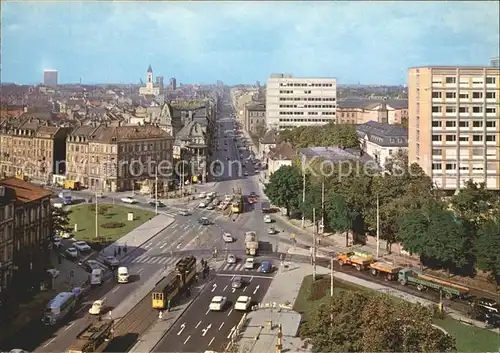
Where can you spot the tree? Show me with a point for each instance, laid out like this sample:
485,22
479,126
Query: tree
60,220
473,203
327,135
312,201
284,188
340,217
397,162
487,246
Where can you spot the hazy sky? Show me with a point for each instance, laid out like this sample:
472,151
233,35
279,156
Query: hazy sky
241,42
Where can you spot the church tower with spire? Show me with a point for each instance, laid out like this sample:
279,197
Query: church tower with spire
150,89
149,78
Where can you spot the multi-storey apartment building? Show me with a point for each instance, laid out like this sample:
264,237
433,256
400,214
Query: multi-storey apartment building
115,158
7,199
454,126
27,232
292,101
31,148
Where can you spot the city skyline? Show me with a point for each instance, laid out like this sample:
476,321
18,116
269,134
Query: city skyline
369,43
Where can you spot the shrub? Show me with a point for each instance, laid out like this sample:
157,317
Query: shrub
102,209
113,225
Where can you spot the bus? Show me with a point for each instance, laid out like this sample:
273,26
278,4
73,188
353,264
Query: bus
60,306
265,206
66,197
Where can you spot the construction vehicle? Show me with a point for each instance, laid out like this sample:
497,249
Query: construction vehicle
175,283
71,185
387,269
237,202
422,282
358,258
251,243
93,338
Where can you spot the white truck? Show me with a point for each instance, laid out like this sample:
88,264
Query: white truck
251,243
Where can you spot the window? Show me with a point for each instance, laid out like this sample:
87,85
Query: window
451,109
451,138
490,80
477,109
463,95
437,151
463,139
451,95
436,123
463,123
477,95
436,166
491,124
490,138
451,166
436,109
491,95
463,109
451,80
477,124
451,124
436,138
436,95
477,152
477,138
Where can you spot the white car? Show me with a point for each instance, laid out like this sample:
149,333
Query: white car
66,235
202,195
267,219
249,263
128,200
96,307
53,272
218,303
231,259
242,303
81,246
228,198
202,205
227,237
72,252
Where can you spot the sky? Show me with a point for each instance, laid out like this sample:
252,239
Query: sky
242,41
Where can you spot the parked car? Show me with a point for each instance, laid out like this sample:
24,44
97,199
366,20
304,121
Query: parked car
211,207
202,195
268,219
155,203
202,204
249,263
227,237
271,230
111,261
217,303
266,267
91,265
129,200
57,241
204,221
66,235
82,246
53,272
72,253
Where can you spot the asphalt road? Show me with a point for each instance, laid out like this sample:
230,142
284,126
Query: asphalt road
200,329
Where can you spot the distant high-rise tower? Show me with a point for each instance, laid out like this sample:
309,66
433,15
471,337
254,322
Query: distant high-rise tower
50,77
495,62
159,83
257,83
173,83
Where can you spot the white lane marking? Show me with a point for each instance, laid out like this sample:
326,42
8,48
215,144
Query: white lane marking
233,290
209,343
49,342
256,289
140,270
230,311
186,226
251,278
230,275
207,312
103,299
114,290
232,278
179,245
164,244
220,327
187,339
173,226
214,287
69,326
224,288
148,246
198,324
183,326
244,289
231,332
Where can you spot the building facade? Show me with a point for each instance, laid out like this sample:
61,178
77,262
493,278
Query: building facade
50,77
7,200
454,126
116,158
293,102
360,111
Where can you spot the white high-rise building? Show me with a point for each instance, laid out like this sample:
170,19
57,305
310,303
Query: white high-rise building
293,101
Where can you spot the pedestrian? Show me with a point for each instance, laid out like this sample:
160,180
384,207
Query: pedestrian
196,278
99,318
160,314
168,305
109,315
125,248
119,251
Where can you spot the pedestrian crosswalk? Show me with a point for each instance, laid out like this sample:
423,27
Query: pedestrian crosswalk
156,260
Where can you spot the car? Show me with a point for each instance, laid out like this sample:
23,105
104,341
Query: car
91,265
202,204
129,200
202,195
96,307
231,259
237,282
242,303
253,194
72,252
211,206
228,198
227,237
271,230
204,221
245,173
266,267
111,261
184,213
57,241
268,219
53,273
249,263
217,304
154,203
66,235
82,246
212,194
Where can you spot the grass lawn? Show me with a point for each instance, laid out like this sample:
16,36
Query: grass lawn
112,220
468,338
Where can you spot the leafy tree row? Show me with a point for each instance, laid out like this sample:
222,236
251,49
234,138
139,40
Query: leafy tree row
328,135
360,322
457,233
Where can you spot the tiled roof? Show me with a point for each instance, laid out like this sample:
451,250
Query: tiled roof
384,134
107,134
24,191
271,137
282,151
371,103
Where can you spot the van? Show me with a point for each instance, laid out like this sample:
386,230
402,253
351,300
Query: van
123,275
227,237
96,277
